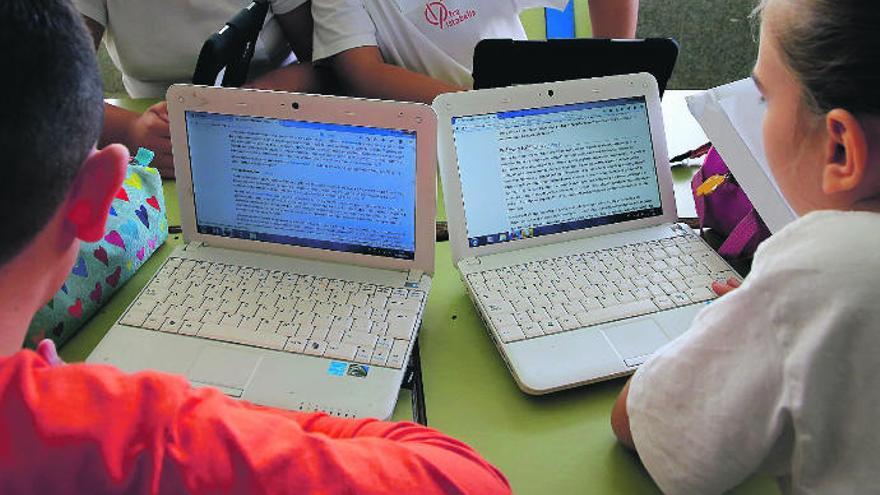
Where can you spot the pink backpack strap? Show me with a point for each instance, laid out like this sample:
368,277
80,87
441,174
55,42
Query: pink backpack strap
742,235
699,201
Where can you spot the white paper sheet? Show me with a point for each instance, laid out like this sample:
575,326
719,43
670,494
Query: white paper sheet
732,117
683,133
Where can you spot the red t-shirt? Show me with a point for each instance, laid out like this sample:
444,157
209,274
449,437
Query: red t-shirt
93,429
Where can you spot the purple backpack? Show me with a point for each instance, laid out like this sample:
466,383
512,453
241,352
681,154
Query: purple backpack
726,209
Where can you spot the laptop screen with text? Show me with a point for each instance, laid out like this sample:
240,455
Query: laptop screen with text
543,171
326,186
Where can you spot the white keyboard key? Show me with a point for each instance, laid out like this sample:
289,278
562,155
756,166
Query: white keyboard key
680,299
363,356
315,347
341,324
171,325
289,329
380,356
229,306
401,328
154,322
324,309
504,320
341,311
699,281
237,335
334,336
540,301
304,333
509,334
304,319
619,312
380,328
551,327
249,324
700,294
397,355
133,318
264,312
361,325
144,305
532,330
248,310
295,345
361,339
358,300
341,351
569,323
498,307
305,306
323,320
269,326
641,293
190,327
539,315
403,304
664,302
625,297
320,332
378,302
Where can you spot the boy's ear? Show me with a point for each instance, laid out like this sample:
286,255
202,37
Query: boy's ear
94,188
846,159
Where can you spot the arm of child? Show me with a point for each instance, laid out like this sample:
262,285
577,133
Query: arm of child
345,39
619,415
150,129
362,72
708,410
614,18
302,76
85,428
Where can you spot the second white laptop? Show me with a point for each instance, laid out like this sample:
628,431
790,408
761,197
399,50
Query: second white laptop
309,223
562,224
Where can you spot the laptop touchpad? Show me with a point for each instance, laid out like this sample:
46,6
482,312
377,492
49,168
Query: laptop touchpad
637,338
225,366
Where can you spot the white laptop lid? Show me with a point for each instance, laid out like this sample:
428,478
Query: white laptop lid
531,165
330,178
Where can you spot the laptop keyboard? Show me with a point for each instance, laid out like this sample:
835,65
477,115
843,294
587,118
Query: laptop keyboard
301,314
562,294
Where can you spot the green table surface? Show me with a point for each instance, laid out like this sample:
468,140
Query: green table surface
559,443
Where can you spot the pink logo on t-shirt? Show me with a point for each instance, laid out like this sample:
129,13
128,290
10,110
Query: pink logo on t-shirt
438,14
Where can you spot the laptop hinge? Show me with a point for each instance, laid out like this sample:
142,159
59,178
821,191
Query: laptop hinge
414,276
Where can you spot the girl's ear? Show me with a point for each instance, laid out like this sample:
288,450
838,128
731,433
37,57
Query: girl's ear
846,157
99,179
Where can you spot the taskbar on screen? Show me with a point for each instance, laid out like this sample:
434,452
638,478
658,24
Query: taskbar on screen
307,243
539,231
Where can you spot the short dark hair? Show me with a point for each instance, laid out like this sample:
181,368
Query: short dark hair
51,113
832,47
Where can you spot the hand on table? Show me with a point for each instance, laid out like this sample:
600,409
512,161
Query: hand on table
726,287
151,130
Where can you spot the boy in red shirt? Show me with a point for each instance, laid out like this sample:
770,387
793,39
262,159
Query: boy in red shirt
84,428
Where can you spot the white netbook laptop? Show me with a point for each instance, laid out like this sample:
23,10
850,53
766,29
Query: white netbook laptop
309,228
562,222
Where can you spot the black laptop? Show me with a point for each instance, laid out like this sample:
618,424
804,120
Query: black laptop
505,62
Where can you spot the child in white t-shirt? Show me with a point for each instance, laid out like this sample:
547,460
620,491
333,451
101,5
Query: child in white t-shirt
156,43
781,375
417,49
